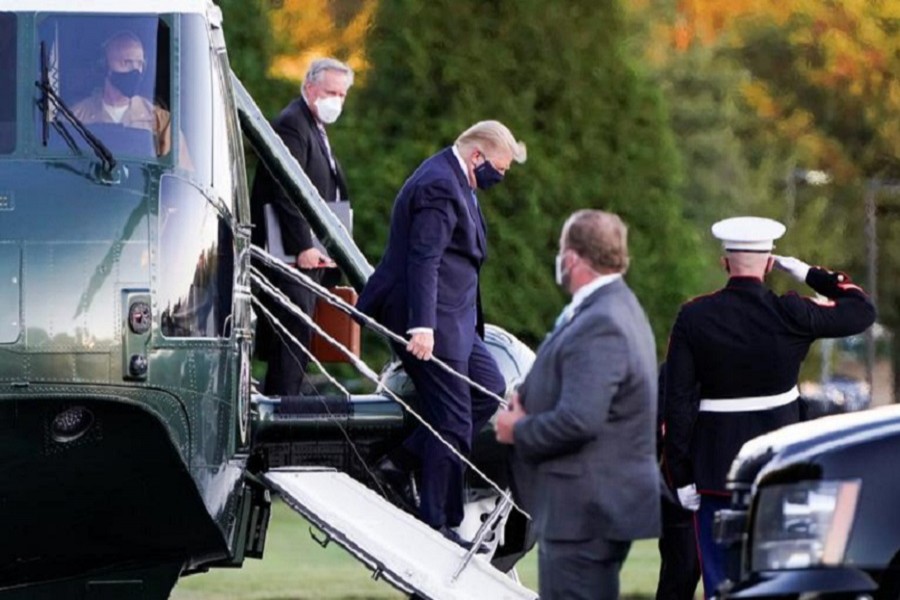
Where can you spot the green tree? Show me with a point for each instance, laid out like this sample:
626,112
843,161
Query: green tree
732,164
561,77
834,93
251,49
727,171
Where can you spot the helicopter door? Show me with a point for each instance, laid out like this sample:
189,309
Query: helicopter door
404,551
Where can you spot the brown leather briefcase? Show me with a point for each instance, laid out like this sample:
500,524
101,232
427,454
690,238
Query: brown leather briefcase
338,325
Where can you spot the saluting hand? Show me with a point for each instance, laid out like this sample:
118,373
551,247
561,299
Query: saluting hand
507,419
421,345
795,267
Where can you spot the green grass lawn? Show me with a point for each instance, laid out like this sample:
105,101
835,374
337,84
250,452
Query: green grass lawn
296,568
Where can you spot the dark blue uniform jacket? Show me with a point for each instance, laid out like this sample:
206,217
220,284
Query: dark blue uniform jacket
745,341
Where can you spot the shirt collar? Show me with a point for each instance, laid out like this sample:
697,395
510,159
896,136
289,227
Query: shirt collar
310,109
459,159
588,289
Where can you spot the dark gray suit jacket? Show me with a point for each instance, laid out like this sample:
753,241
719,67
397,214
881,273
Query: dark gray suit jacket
584,459
296,126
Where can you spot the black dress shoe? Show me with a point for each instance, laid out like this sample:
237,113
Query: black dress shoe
399,486
459,541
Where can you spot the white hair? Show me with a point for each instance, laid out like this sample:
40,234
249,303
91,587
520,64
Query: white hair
495,136
319,66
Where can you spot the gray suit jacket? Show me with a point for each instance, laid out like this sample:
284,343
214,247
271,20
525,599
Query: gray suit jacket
584,459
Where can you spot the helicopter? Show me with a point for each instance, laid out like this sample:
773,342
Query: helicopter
133,447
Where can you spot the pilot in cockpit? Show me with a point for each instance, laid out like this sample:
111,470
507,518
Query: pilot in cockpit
118,101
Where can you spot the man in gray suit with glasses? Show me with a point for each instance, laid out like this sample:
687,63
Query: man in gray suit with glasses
582,425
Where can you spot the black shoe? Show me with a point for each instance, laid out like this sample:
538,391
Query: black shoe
459,541
399,486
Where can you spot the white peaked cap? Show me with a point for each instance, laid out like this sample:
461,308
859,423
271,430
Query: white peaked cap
748,234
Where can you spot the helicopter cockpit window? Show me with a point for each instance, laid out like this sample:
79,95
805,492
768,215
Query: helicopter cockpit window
196,263
7,82
114,74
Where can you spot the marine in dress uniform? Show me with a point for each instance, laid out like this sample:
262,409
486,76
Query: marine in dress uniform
743,346
679,564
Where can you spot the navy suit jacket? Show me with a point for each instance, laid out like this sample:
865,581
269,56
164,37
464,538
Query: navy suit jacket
428,276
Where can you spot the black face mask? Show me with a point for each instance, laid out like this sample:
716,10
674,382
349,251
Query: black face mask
486,176
126,82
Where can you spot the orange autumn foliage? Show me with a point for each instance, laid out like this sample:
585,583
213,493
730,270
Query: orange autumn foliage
843,50
308,29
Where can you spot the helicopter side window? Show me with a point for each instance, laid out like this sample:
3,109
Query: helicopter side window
196,96
196,263
7,82
114,74
222,158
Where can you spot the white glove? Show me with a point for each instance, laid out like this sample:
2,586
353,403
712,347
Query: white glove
688,497
796,267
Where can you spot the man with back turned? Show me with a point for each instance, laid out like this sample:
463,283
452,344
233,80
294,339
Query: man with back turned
743,346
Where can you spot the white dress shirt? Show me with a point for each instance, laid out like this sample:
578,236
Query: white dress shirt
583,292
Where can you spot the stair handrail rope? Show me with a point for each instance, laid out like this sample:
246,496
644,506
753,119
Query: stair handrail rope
306,351
279,325
339,303
502,507
282,299
274,320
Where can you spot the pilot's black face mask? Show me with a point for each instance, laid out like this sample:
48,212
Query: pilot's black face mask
126,82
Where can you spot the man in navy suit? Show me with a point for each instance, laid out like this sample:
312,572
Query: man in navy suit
278,223
426,286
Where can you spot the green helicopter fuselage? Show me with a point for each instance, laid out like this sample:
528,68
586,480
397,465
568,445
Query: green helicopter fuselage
124,311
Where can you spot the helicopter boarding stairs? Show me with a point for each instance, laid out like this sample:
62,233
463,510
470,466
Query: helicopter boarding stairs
399,548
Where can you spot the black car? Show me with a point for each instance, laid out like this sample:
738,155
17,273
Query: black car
840,394
816,510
